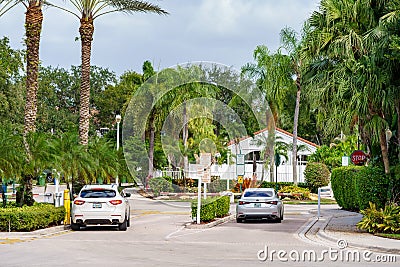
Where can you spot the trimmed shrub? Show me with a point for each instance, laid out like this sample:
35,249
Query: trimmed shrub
354,187
223,206
161,184
372,186
207,211
343,182
30,218
316,175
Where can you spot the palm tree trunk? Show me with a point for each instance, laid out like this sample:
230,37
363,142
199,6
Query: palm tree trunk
33,28
151,147
185,135
86,32
385,154
295,123
398,128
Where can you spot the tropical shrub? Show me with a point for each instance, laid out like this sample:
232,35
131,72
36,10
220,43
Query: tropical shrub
266,184
316,175
29,218
161,184
295,192
385,220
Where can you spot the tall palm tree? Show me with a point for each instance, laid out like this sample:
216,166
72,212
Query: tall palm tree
88,11
351,70
33,28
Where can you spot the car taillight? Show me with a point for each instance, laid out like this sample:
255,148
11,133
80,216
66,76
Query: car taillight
79,202
116,201
272,202
242,202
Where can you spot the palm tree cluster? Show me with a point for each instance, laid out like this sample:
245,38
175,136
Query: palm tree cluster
74,162
345,71
87,12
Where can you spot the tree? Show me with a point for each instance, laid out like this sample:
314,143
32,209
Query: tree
280,76
88,11
352,74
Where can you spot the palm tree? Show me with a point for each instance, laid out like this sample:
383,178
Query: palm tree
351,70
88,11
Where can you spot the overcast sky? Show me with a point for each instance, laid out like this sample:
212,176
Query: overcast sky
223,31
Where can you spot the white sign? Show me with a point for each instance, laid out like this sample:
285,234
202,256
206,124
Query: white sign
240,159
239,170
205,159
345,161
206,177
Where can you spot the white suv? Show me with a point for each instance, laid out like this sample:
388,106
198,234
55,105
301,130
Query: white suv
100,205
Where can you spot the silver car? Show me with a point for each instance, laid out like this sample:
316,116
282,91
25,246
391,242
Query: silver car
259,203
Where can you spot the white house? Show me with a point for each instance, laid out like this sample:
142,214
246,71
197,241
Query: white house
251,150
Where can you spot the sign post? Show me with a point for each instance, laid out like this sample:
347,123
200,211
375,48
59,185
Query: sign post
240,169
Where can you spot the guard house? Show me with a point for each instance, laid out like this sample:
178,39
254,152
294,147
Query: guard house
252,152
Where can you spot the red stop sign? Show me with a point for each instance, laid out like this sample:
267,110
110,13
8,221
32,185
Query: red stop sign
358,157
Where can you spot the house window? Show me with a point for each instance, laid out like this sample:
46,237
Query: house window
302,159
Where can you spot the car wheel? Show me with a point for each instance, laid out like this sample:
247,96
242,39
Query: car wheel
128,223
75,227
278,220
123,226
281,216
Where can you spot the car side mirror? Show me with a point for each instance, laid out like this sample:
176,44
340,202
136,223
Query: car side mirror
127,194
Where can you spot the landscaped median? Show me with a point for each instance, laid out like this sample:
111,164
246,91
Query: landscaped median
213,211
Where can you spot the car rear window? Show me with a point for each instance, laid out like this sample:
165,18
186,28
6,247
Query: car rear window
98,193
258,194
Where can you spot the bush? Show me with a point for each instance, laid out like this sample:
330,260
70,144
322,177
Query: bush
207,211
385,220
296,192
266,184
372,186
343,181
161,184
354,187
29,218
316,175
223,206
212,208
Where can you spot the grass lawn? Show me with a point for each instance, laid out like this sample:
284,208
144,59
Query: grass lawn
392,236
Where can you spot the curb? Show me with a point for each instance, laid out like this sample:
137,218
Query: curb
37,233
323,235
211,224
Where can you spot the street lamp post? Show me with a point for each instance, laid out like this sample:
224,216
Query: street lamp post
118,120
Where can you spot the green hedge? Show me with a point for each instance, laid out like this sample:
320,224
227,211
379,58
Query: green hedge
30,218
354,187
161,184
212,208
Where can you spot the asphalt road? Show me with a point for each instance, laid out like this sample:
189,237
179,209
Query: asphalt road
157,237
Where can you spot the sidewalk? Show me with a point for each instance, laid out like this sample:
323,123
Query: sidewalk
338,229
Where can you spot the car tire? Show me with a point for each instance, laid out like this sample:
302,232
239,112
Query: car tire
123,226
128,223
75,227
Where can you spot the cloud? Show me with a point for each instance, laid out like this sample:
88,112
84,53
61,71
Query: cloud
225,31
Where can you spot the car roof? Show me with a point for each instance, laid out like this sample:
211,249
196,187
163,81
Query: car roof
105,186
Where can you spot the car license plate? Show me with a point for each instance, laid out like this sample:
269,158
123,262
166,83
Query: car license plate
257,205
97,205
